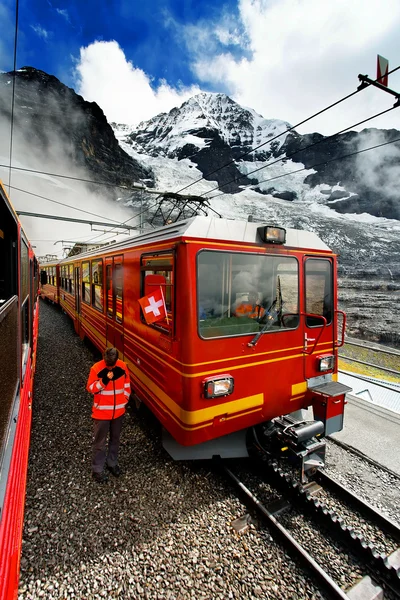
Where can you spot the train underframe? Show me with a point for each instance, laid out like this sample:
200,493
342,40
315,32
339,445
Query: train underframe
296,438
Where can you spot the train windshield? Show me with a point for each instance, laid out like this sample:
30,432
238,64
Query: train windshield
241,293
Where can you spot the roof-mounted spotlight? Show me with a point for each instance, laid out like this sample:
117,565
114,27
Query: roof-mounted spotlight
272,235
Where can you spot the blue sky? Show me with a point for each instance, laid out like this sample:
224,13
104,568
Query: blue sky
284,58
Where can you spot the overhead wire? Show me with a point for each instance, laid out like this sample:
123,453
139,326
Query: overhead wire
82,179
63,204
127,221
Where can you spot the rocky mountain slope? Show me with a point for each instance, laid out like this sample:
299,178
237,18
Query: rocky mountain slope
213,130
52,125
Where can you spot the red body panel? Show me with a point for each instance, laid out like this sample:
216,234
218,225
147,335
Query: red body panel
21,343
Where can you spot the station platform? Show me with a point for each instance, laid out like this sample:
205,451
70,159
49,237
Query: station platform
372,430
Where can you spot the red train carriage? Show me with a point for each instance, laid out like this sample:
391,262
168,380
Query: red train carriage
18,335
206,369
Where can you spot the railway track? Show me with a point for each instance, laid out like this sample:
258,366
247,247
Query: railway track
327,529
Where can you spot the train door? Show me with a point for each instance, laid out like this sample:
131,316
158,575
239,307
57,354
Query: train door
115,303
318,329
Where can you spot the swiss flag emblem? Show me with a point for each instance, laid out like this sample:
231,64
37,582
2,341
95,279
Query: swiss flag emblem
153,306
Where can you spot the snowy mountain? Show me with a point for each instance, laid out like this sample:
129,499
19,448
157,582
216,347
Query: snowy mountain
337,171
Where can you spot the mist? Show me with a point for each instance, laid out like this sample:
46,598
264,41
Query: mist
48,143
380,168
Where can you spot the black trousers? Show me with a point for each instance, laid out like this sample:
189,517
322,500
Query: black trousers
103,428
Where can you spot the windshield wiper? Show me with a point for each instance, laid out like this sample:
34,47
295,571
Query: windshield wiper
272,314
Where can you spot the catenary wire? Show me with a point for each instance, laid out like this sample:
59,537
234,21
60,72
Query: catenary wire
284,132
37,172
286,156
63,204
124,223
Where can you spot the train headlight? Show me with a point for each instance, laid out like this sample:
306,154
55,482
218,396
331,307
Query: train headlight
326,363
214,387
272,235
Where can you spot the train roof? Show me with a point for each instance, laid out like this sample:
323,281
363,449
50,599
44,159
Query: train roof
211,228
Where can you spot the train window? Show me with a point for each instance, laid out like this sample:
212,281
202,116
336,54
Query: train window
158,272
24,271
43,277
97,284
86,282
25,340
118,290
242,293
109,292
318,289
8,254
71,280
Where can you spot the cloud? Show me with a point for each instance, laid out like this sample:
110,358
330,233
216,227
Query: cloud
63,13
299,56
40,31
125,93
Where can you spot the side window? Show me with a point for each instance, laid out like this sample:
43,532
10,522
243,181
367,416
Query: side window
25,309
158,273
118,288
71,279
109,291
86,282
319,294
97,284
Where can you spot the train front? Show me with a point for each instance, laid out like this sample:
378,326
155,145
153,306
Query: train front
261,352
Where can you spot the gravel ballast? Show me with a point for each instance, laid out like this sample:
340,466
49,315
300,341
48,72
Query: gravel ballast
161,530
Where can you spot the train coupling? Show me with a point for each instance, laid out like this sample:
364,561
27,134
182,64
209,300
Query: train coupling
300,439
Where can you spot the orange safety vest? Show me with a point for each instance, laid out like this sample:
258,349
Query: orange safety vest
246,309
110,396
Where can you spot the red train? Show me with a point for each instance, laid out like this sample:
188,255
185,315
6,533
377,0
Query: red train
19,308
209,371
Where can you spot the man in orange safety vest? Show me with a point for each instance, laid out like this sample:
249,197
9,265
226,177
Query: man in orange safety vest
109,381
250,308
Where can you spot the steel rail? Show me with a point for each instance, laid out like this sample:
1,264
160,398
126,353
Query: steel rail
390,527
329,586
